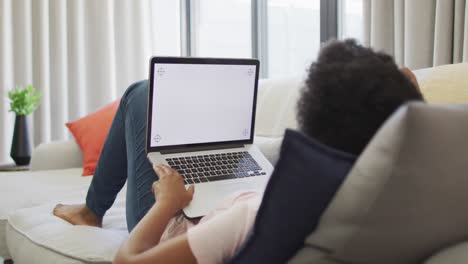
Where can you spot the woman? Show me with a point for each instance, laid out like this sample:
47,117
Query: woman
349,92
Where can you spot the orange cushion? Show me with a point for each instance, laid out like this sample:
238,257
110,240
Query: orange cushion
90,132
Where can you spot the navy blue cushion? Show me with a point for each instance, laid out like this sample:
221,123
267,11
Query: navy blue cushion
303,183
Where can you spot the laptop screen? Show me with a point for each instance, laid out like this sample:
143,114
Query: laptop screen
201,103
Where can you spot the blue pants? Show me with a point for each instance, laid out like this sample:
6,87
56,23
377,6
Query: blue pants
123,158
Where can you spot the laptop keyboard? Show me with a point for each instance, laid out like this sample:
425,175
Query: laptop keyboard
215,167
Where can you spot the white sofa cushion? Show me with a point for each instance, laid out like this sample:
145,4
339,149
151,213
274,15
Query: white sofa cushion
32,188
28,189
276,106
446,84
270,147
56,155
34,235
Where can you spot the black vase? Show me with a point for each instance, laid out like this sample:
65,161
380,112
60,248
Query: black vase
20,147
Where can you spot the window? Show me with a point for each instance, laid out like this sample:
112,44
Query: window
351,19
293,35
284,34
166,27
222,28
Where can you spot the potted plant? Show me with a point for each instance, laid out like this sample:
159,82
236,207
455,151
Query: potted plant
23,101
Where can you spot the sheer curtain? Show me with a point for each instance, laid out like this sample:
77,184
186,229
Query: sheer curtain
80,54
420,33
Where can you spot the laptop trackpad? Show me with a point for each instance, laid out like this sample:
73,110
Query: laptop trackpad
208,196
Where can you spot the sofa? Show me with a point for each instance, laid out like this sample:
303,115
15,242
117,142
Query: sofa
30,234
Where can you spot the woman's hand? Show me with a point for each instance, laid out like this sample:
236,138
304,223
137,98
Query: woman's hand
142,245
169,190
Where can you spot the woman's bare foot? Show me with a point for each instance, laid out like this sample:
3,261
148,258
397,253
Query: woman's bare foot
77,214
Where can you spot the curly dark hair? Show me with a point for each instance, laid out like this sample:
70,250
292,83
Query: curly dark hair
349,92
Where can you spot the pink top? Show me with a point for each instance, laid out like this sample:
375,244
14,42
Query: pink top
218,235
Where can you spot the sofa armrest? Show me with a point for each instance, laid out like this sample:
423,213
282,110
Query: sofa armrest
56,155
276,105
455,254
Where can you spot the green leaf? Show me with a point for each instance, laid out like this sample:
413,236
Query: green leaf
24,100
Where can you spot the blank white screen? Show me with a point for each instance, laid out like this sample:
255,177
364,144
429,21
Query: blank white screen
201,103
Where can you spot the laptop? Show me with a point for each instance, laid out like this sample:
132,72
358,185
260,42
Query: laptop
201,120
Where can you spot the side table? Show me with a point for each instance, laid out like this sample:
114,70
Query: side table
13,167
